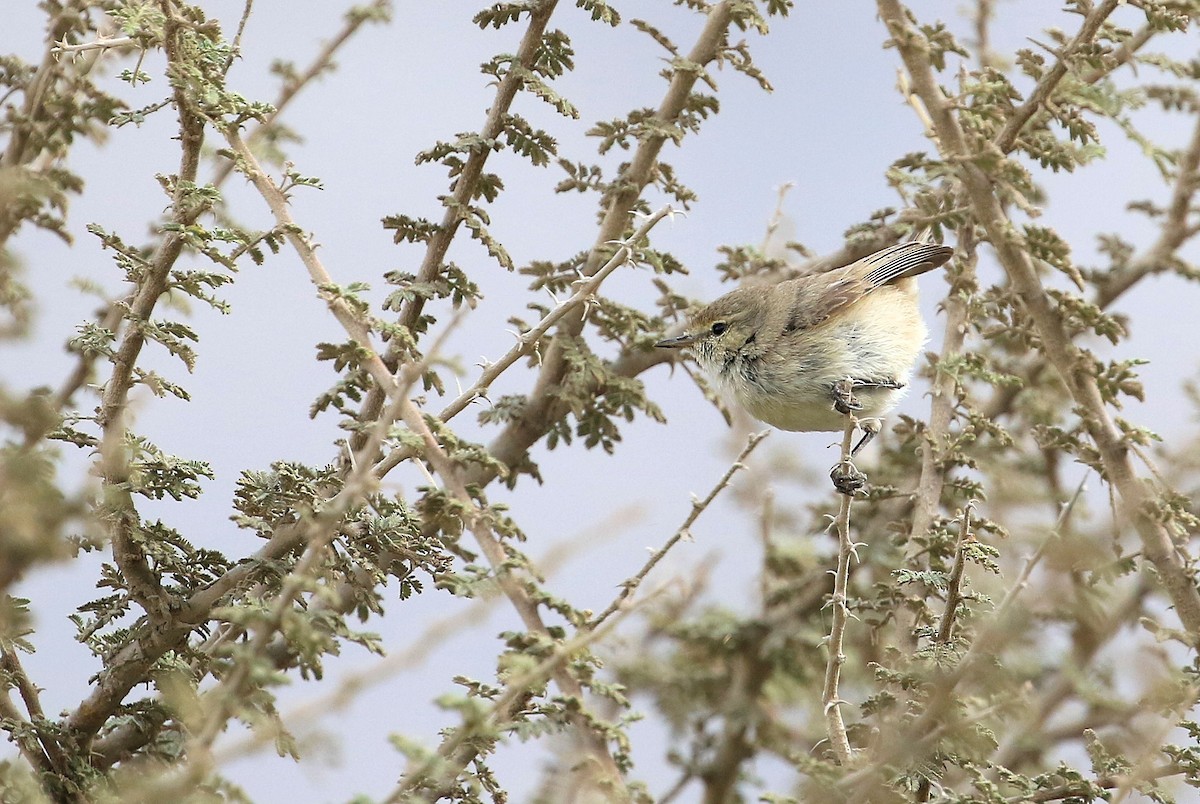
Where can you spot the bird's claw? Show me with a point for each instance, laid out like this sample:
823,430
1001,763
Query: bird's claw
843,399
847,479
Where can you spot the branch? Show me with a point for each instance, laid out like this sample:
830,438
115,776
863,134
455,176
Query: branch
111,317
100,43
128,666
1175,229
830,698
467,179
1071,365
599,774
1175,232
43,752
434,771
120,514
321,63
543,406
943,393
530,342
357,329
954,584
699,506
1007,138
218,705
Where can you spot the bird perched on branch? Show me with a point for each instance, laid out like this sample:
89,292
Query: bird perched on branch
786,351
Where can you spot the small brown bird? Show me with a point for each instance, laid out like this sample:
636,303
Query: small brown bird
784,350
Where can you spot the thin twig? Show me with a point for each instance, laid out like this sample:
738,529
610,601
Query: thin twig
777,216
235,47
42,751
277,201
944,393
530,341
321,528
433,770
467,179
954,583
984,11
101,43
830,698
322,62
544,404
1007,137
119,512
953,598
699,506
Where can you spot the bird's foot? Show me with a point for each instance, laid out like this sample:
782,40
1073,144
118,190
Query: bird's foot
847,479
843,398
844,401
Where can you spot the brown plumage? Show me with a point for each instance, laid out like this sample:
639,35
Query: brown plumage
781,349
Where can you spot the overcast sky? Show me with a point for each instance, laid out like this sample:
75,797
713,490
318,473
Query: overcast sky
832,126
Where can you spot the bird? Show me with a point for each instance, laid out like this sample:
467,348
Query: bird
801,354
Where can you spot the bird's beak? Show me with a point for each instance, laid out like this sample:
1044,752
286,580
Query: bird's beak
678,342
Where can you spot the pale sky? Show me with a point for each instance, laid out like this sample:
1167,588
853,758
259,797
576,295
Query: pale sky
832,126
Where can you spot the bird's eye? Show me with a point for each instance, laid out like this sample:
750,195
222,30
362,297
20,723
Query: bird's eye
719,328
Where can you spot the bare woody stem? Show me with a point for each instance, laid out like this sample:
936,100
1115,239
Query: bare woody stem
467,179
598,774
831,701
943,396
629,587
1051,79
1072,365
320,64
119,512
357,329
954,583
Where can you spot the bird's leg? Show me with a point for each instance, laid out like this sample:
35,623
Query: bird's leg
870,428
846,477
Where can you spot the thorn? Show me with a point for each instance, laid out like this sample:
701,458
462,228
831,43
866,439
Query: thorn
833,703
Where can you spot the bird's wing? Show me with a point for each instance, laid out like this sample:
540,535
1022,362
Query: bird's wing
814,298
900,261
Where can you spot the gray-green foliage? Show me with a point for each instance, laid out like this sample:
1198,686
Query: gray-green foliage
964,704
